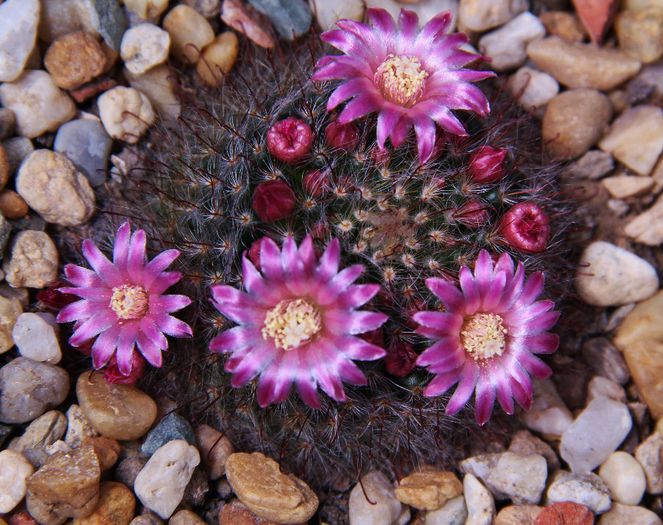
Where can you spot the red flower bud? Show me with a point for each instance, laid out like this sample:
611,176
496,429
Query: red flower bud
400,360
380,156
316,182
487,164
289,140
342,136
375,337
54,298
113,375
473,214
254,252
273,200
526,227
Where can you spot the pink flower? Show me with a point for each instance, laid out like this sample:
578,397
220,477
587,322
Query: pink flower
487,164
410,77
298,323
122,303
487,336
526,227
289,140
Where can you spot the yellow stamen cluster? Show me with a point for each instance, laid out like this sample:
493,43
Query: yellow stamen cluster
401,79
484,336
292,323
129,302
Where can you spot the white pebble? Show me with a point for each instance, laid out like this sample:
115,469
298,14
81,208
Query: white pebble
453,512
585,489
479,501
18,33
624,477
506,46
533,89
548,414
480,15
36,336
14,471
125,113
143,47
383,507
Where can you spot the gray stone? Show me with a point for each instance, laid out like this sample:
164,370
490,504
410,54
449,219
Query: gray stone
17,148
592,165
453,512
107,18
29,388
18,33
36,336
7,123
595,434
291,18
605,360
85,143
171,427
650,456
40,434
5,230
586,489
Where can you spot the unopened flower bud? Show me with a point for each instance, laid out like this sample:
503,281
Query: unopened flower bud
113,375
526,227
487,164
472,214
342,136
289,140
273,200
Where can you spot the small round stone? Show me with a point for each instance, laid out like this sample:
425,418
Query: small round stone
14,471
143,47
147,9
115,411
12,205
126,113
215,449
158,85
373,502
116,506
218,58
19,20
429,489
186,517
259,484
36,336
5,168
189,32
640,33
53,187
625,478
75,59
10,310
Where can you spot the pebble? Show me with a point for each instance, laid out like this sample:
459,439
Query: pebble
565,513
60,17
207,8
612,276
624,477
197,489
531,88
5,230
454,512
75,59
218,58
603,387
189,33
517,515
36,336
510,476
126,113
186,517
574,121
506,45
127,470
19,20
116,411
12,205
427,9
215,449
53,187
79,429
621,514
479,15
7,123
636,138
582,65
625,186
640,33
585,489
40,435
328,13
38,104
4,167
143,47
258,482
548,413
647,87
524,443
479,501
592,165
17,148
87,145
596,16
161,483
116,506
158,85
291,18
647,227
147,9
29,388
595,434
247,21
10,309
33,262
146,519
564,25
67,486
236,513
14,471
650,456
428,489
170,428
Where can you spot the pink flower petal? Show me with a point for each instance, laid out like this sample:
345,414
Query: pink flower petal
358,107
101,265
151,331
82,277
137,258
76,311
270,260
434,28
350,373
151,352
104,347
443,322
485,400
170,303
170,325
93,326
338,284
358,295
329,262
425,131
442,350
156,266
441,384
121,245
307,390
468,380
307,255
408,22
233,339
340,322
470,291
446,292
381,20
358,348
505,394
387,120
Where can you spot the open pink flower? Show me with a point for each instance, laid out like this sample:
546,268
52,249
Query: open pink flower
410,77
122,303
298,323
487,335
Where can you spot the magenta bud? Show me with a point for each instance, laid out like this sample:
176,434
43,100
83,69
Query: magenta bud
290,140
254,252
526,227
400,360
487,164
273,200
342,136
113,375
472,214
316,182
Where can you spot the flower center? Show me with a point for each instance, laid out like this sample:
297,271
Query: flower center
483,336
129,302
291,323
401,79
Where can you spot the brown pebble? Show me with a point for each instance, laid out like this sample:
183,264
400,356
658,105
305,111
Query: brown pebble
106,449
185,517
92,89
22,518
12,205
74,59
429,489
564,25
4,167
236,513
565,513
116,506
